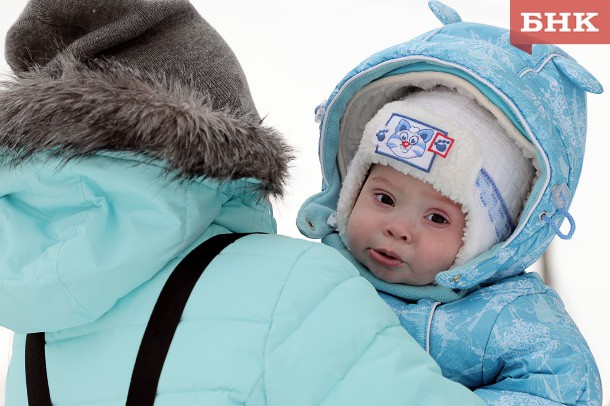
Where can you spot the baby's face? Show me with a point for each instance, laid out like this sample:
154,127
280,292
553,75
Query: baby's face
402,229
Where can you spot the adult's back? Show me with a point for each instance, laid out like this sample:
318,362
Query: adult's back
129,138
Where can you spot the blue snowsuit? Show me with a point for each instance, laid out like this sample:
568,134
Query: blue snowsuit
490,325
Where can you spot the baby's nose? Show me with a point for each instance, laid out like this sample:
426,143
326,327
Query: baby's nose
400,231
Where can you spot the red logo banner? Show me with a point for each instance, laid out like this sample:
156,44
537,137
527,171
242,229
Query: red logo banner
559,22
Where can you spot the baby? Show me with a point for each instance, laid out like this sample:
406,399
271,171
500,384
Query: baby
449,163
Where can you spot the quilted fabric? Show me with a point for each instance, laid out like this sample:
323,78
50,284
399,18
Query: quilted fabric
272,321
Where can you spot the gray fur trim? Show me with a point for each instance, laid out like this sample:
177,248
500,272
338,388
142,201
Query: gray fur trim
75,110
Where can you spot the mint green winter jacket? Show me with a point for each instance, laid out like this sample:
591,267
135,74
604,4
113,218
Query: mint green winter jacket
92,227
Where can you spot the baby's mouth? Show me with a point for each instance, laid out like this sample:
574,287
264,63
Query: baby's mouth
385,258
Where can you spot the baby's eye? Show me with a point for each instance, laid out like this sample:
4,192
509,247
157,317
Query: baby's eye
384,199
437,218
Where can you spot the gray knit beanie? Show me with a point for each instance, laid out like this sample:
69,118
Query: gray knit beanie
148,77
167,37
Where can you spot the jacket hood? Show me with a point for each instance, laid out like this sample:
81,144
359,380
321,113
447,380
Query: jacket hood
75,109
79,236
109,177
543,96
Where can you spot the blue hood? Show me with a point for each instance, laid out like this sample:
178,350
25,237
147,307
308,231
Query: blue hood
543,94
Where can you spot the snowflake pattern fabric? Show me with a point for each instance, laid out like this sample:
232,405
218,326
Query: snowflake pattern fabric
489,325
511,342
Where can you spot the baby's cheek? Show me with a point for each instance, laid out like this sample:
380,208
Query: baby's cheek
350,235
356,237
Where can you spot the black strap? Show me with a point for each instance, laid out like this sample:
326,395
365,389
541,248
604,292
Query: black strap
166,316
157,337
36,371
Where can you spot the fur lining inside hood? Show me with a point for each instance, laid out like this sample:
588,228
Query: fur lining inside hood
75,110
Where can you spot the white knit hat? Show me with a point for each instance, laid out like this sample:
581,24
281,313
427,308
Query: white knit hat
447,139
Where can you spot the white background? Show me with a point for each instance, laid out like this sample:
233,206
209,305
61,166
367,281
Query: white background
294,53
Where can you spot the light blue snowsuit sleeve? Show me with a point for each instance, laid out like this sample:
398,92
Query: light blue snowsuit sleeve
536,355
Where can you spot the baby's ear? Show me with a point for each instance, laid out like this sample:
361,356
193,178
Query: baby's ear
403,125
426,134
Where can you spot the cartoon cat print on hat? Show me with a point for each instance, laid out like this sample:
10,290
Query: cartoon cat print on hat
409,141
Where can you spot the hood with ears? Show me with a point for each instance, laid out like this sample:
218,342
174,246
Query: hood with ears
543,96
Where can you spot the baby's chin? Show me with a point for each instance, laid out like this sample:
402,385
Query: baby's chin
402,274
398,276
